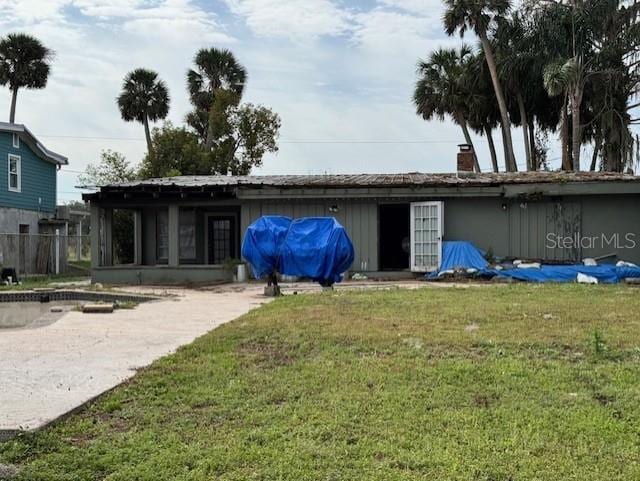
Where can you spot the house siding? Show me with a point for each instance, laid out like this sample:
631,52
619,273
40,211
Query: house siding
38,179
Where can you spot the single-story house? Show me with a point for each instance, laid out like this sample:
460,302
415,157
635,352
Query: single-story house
187,227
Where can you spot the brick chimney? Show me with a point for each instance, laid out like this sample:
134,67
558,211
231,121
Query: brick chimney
466,162
466,158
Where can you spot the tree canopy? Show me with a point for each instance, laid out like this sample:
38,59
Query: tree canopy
565,67
25,62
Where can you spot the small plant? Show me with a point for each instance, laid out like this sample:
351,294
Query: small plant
125,304
230,264
598,342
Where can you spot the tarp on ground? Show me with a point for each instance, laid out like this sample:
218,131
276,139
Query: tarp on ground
606,273
317,248
262,243
464,255
461,255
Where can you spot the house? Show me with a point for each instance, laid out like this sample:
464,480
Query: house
27,193
186,227
28,180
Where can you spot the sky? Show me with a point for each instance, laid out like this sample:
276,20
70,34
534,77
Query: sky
339,73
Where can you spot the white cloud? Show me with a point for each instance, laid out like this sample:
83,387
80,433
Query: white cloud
419,7
298,19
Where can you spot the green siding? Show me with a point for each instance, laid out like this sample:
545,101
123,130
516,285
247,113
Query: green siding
38,180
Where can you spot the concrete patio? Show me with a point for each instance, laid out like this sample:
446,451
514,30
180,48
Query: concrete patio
48,371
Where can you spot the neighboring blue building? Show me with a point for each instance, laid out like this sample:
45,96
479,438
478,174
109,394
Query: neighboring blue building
27,181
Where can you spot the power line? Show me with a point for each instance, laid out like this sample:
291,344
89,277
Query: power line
321,141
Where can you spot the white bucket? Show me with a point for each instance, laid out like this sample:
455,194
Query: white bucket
241,273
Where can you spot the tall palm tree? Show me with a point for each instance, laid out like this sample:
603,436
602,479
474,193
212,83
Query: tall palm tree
24,63
144,98
442,89
479,15
484,115
215,69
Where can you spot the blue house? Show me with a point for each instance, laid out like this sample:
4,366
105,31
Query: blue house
27,181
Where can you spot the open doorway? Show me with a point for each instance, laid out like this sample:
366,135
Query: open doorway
394,236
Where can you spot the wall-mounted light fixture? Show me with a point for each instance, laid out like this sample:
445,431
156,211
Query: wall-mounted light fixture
333,209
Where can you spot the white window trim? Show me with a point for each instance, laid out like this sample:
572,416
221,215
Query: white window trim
18,172
16,141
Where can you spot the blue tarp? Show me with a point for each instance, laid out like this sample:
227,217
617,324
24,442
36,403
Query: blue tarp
464,255
263,242
461,255
317,248
605,273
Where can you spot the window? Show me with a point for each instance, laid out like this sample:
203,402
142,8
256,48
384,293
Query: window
221,239
187,234
14,173
16,141
162,235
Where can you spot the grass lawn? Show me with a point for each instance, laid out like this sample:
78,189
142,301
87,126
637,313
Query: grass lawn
40,282
519,382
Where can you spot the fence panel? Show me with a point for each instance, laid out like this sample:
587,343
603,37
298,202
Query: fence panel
42,253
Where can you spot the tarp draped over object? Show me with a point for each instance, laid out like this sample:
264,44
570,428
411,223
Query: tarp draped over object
463,255
317,248
263,242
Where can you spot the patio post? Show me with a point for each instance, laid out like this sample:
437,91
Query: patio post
174,227
94,211
137,237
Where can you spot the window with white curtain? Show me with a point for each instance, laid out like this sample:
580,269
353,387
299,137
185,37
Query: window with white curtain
187,234
15,173
162,235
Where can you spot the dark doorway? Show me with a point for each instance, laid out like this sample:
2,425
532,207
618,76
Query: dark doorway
222,238
394,236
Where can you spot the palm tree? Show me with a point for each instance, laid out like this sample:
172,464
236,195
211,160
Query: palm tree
215,69
478,15
24,63
144,98
484,115
442,89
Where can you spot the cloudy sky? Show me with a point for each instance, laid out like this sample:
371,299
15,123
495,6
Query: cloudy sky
339,72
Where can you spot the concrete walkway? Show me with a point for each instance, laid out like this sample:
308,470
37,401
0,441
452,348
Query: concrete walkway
48,371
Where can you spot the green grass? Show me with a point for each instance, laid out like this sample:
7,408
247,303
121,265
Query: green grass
40,281
518,382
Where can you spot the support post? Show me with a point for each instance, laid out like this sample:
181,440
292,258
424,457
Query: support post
94,211
137,237
57,259
174,228
79,241
108,237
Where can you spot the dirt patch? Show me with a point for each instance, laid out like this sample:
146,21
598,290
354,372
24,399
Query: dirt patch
266,353
485,400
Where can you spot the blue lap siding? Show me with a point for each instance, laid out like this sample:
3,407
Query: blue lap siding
38,178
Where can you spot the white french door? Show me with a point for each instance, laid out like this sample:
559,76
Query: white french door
426,236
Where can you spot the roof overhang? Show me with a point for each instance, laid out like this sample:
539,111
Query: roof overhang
36,146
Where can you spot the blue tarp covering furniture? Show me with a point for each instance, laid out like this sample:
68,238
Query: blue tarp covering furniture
262,243
317,248
464,255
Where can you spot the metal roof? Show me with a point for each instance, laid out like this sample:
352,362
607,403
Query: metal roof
373,180
31,140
